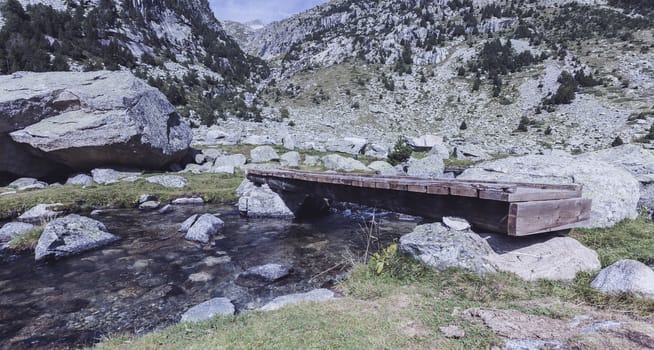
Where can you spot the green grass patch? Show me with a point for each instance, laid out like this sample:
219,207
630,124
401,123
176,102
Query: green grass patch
213,188
27,241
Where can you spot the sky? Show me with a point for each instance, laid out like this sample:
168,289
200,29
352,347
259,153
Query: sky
264,10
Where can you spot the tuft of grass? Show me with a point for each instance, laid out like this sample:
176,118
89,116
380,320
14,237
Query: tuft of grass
27,241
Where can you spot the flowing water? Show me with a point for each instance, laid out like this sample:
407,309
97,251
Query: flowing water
152,275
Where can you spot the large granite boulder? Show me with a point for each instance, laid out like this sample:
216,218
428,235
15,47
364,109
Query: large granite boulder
263,274
261,202
81,120
349,145
208,310
12,230
626,276
531,258
340,163
428,167
203,228
71,235
41,213
263,154
615,191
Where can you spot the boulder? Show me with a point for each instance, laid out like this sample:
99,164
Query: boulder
225,169
531,258
377,151
349,145
186,225
264,274
71,235
615,192
259,140
211,154
111,176
188,201
340,163
424,142
233,160
626,276
316,295
14,229
80,180
263,202
263,154
291,159
41,213
288,141
428,167
311,161
470,152
203,228
383,168
82,120
196,168
149,205
440,150
166,209
208,310
27,183
200,158
168,181
456,224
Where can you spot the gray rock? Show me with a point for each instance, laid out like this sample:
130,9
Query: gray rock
168,181
316,295
349,145
259,140
452,332
311,160
427,167
188,201
456,224
200,158
86,119
377,151
208,310
71,235
146,198
291,159
41,213
111,176
186,225
383,168
340,163
211,154
166,209
263,154
27,183
204,227
225,169
440,150
234,160
615,192
424,142
263,274
262,202
626,276
149,205
288,141
14,229
80,180
470,152
196,168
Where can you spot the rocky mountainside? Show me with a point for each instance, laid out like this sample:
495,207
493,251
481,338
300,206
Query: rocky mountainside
509,76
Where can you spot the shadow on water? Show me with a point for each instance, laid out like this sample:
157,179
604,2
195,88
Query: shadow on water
152,275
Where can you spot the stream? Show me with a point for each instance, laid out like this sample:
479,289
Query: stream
152,275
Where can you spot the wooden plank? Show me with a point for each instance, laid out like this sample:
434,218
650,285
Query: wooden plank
417,188
540,216
438,189
463,191
533,194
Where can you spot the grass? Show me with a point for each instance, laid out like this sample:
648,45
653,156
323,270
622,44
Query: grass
211,187
27,241
405,305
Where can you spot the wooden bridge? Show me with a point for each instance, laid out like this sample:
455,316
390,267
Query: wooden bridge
516,209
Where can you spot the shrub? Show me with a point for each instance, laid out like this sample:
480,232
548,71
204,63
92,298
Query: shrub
401,152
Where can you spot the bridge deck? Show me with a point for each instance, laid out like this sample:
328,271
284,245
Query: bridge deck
514,208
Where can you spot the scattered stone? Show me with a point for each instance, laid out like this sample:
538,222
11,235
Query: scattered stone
615,192
147,198
12,230
166,209
428,167
41,213
440,150
213,261
196,169
456,224
340,163
263,154
80,180
168,181
259,140
311,161
111,176
377,151
149,205
204,227
452,332
517,325
626,276
71,235
27,183
264,274
291,159
258,202
470,152
186,225
208,310
316,295
424,142
200,277
234,161
349,145
188,201
226,169
383,168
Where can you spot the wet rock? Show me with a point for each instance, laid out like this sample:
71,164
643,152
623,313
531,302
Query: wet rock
263,274
14,229
615,192
340,163
427,167
80,180
188,201
234,160
204,227
626,276
111,176
291,159
71,235
200,277
166,209
452,332
383,168
41,213
216,260
186,225
316,295
263,154
27,183
349,145
208,310
456,224
262,202
168,181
